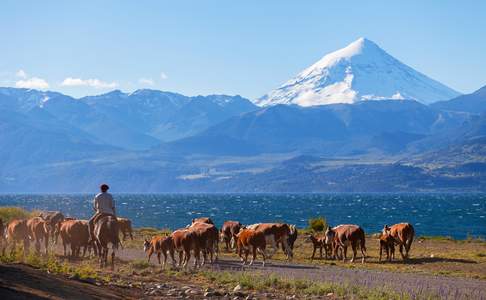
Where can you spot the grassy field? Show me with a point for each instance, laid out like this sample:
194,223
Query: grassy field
429,255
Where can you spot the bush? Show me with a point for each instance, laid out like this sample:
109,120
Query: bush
318,224
8,213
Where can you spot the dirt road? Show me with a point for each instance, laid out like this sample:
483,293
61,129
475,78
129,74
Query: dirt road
411,283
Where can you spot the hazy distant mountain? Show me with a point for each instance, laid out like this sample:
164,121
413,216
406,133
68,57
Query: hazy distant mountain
360,71
473,103
135,121
337,129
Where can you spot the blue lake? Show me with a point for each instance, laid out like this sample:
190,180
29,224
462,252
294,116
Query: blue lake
455,215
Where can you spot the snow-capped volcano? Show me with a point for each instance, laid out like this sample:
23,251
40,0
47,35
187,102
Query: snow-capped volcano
360,71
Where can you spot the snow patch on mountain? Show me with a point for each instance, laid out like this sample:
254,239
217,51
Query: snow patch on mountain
360,71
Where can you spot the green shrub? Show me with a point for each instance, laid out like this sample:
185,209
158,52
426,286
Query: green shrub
318,224
8,213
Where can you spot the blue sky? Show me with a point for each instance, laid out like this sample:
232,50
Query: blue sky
230,47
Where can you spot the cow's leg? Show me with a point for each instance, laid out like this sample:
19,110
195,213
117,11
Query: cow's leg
355,251
401,251
46,243
180,258
165,257
113,258
151,251
27,246
171,252
262,251
253,255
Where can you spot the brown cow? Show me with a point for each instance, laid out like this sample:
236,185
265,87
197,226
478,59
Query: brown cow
344,235
17,230
54,218
387,243
203,220
160,245
403,234
73,233
185,240
275,233
39,230
106,232
228,233
251,240
207,238
125,226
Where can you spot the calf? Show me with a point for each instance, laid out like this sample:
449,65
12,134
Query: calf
228,233
343,236
318,243
125,227
17,230
387,243
275,233
207,239
39,231
160,245
403,234
184,241
251,240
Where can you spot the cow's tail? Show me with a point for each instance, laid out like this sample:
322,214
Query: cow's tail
408,242
363,243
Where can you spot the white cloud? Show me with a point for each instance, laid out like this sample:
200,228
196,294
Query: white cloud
32,83
146,81
95,83
21,74
163,76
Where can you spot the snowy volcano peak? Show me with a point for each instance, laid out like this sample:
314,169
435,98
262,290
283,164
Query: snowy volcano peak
360,71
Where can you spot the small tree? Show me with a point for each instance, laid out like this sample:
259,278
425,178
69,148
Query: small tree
318,224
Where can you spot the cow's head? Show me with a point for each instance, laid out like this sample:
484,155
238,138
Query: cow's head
386,229
329,235
146,245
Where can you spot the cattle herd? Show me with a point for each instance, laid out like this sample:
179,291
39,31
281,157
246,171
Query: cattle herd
200,237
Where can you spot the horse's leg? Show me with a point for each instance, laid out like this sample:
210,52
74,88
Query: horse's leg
345,253
313,252
158,257
253,257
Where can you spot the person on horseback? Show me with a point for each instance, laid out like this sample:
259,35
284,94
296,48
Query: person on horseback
103,205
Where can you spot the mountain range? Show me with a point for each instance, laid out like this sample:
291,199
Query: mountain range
155,141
